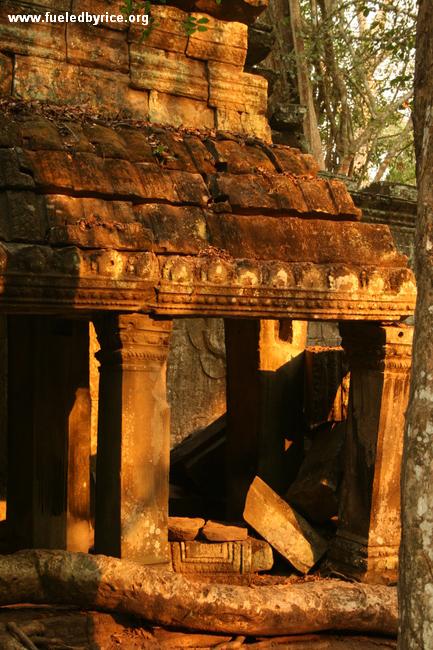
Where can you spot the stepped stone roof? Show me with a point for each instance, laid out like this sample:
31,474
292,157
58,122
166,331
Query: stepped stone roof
137,216
240,10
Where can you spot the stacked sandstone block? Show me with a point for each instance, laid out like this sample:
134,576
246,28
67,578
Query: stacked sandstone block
171,78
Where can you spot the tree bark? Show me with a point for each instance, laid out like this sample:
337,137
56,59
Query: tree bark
416,559
311,128
167,598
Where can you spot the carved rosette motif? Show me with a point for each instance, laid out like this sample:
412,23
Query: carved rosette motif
41,278
224,286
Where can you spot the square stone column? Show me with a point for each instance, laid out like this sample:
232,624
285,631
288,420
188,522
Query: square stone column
48,489
132,469
368,535
264,404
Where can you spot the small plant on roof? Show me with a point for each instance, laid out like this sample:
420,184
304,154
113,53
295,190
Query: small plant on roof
191,24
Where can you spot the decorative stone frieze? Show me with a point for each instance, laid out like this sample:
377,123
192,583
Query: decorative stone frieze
34,276
242,558
183,223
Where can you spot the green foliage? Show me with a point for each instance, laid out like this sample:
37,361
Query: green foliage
191,24
360,55
402,170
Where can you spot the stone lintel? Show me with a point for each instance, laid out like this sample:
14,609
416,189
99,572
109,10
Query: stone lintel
43,279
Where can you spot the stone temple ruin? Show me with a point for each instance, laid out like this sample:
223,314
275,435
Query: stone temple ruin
140,186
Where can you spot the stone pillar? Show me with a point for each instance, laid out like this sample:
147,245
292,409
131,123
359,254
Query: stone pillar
3,411
368,536
132,470
48,433
264,404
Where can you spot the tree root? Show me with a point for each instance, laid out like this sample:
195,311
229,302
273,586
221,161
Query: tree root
166,598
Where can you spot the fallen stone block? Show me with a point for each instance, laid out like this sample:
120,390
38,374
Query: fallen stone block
184,529
215,531
289,533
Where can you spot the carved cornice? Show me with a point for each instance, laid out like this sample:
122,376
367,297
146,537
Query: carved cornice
43,279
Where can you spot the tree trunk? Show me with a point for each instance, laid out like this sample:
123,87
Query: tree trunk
311,128
167,598
285,87
416,561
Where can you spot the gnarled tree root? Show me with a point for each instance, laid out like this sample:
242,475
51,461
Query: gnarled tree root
166,598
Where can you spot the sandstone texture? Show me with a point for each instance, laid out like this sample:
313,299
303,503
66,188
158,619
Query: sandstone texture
288,532
164,74
183,221
215,531
184,529
221,558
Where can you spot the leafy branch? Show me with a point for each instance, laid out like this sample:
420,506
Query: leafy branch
359,57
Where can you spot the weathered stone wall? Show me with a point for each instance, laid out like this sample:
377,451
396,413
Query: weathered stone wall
270,46
393,204
196,375
195,81
171,78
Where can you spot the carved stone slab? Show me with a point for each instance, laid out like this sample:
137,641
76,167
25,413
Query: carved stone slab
244,557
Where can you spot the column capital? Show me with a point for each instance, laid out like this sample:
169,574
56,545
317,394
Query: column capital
132,339
378,346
